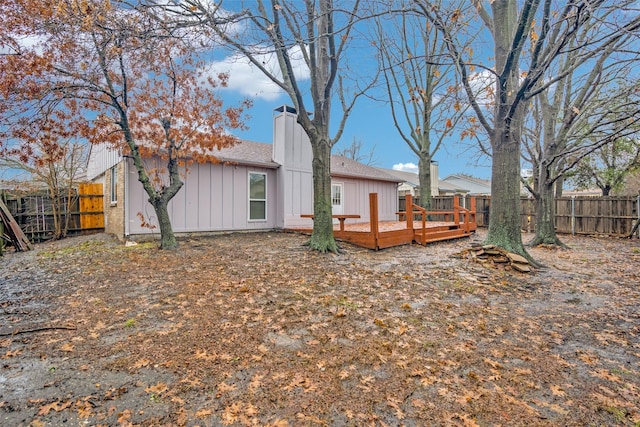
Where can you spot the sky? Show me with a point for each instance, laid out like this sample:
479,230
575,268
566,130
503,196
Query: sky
371,123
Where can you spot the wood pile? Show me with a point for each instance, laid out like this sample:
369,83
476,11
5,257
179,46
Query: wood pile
13,230
498,257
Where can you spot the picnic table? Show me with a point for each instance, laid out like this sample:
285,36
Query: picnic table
339,217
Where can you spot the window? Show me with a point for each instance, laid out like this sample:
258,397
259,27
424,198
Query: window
114,185
257,196
336,194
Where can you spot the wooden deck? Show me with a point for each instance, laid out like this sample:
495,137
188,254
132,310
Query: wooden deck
459,222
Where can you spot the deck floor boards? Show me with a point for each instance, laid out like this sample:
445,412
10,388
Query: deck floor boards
395,233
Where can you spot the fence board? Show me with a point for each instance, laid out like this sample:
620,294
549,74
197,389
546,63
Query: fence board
91,206
82,211
577,215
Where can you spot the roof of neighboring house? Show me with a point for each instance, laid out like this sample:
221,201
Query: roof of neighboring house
471,184
410,178
449,187
587,192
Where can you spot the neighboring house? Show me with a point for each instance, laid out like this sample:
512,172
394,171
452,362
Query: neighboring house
256,186
446,188
465,184
411,182
591,192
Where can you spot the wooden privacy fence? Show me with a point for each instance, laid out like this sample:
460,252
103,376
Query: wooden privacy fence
34,213
574,215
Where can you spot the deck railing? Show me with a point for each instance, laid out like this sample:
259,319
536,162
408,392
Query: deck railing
469,215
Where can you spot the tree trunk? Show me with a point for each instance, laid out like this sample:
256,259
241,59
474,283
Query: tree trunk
424,176
559,187
504,225
545,213
159,199
167,237
322,236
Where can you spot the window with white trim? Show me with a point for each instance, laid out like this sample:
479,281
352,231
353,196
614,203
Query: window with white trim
114,185
257,196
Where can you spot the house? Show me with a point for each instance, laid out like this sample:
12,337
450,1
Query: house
466,184
255,186
411,182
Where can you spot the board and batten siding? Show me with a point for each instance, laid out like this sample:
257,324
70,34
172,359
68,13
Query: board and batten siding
356,198
101,159
292,150
215,197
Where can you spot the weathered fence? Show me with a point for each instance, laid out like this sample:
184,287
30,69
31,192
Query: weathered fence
33,211
574,215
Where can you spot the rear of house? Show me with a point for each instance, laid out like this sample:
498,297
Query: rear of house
255,186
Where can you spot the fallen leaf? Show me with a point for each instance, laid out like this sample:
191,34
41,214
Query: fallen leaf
157,389
55,406
68,347
204,413
556,390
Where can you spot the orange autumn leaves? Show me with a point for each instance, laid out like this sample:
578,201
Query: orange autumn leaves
95,71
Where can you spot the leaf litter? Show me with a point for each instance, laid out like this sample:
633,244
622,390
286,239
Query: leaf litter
255,329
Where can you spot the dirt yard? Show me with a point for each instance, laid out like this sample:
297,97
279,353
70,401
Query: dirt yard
254,329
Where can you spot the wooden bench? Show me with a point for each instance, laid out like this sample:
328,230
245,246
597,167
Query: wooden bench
339,217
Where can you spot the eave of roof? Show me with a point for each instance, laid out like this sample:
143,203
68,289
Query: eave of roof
344,167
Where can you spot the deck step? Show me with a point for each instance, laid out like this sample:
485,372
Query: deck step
439,235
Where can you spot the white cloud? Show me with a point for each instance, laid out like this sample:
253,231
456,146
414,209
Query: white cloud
406,167
247,79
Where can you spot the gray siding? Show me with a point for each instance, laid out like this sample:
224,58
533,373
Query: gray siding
214,198
356,198
292,149
101,158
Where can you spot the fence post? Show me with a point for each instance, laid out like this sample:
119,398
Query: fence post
573,215
638,211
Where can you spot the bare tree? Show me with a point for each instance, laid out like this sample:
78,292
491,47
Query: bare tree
608,167
55,164
317,31
356,151
421,85
528,39
591,106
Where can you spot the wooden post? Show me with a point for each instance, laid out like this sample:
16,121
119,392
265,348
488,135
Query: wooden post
472,208
424,228
408,207
373,216
456,210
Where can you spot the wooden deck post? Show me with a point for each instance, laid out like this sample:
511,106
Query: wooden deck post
456,210
408,207
373,217
472,213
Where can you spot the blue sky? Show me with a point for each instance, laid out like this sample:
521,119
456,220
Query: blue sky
370,123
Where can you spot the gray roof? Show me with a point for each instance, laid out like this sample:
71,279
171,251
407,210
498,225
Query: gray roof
260,154
346,167
446,186
410,178
248,153
472,184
